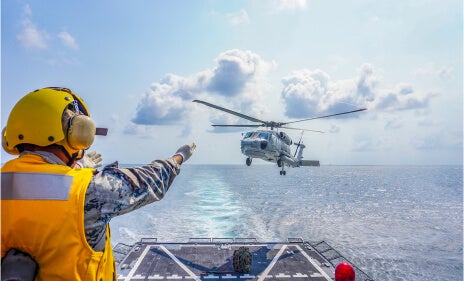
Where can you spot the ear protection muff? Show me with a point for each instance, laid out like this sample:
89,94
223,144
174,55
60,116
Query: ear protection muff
81,132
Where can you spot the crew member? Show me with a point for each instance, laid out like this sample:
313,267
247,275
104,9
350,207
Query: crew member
55,212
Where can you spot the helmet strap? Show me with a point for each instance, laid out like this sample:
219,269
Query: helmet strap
74,157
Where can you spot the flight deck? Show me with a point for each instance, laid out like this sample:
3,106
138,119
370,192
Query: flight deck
226,259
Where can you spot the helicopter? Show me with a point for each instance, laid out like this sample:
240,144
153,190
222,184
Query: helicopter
272,145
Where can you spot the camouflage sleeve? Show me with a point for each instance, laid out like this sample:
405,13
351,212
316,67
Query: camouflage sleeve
116,191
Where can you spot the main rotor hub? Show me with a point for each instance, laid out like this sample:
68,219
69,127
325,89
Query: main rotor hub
273,124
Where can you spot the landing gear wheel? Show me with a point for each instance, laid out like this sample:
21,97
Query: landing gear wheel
283,173
248,161
242,260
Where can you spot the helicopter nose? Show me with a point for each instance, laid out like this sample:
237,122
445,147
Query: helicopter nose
263,144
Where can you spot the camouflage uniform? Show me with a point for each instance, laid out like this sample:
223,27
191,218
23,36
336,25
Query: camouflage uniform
116,191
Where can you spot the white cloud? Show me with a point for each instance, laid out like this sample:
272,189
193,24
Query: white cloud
307,93
391,100
434,70
367,82
404,89
238,18
236,73
235,70
161,105
303,91
31,37
34,38
68,40
285,5
239,82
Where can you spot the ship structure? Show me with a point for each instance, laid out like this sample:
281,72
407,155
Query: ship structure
229,259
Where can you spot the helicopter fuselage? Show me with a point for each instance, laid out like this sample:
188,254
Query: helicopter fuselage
268,145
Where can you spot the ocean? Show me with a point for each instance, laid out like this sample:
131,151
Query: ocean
393,222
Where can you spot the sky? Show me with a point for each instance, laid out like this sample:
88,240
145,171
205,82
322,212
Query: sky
139,64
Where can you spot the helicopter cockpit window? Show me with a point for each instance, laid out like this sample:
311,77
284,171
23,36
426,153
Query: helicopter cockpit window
263,135
247,135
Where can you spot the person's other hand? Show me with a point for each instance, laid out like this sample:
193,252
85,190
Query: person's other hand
186,151
91,160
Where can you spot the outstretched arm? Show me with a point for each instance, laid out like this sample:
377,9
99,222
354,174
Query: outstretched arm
116,191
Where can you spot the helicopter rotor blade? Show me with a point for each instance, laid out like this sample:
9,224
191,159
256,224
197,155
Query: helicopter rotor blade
347,112
251,125
230,111
302,129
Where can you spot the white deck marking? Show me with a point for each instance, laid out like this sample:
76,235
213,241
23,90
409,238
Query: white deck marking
174,258
300,275
322,272
137,263
271,265
282,275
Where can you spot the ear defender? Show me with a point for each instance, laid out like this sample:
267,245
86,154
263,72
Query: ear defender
81,132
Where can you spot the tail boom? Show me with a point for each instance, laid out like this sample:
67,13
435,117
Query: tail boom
314,163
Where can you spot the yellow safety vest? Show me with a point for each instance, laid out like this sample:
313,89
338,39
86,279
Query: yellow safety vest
43,215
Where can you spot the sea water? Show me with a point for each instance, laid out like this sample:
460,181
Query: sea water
393,222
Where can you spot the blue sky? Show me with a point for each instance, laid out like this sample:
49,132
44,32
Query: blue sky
139,64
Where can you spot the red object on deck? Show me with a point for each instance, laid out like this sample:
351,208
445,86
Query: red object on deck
344,272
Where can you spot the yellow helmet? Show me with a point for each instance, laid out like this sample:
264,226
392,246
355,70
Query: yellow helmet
38,119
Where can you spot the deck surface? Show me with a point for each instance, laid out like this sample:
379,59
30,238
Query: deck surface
213,261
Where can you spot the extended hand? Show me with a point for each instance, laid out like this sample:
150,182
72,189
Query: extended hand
91,160
186,151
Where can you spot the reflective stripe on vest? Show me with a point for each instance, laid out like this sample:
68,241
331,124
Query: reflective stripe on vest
35,186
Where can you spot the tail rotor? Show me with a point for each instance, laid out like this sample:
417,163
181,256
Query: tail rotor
298,144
